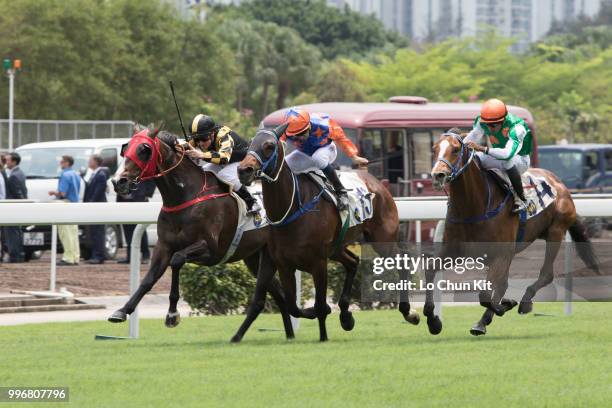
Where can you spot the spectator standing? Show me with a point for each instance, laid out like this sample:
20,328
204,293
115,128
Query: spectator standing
144,191
15,189
95,192
68,189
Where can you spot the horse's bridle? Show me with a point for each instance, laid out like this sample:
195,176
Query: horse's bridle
134,183
457,168
270,162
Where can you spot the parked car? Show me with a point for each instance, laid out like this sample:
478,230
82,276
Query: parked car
583,168
40,163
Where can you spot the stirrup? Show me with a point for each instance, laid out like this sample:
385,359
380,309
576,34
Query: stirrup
343,201
519,205
255,209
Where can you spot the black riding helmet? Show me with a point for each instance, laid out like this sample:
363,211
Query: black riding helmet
201,126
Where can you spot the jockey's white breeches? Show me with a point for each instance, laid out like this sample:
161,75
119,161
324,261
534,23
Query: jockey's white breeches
227,173
489,162
300,162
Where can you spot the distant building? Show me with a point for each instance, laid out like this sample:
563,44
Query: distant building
435,20
527,20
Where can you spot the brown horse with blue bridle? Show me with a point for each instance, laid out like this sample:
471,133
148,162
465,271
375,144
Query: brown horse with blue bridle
307,229
480,211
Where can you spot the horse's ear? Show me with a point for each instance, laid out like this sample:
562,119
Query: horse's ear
124,149
153,133
280,130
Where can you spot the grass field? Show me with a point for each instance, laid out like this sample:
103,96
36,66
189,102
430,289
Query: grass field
523,361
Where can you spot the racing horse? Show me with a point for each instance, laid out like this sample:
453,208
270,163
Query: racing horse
480,210
304,236
197,224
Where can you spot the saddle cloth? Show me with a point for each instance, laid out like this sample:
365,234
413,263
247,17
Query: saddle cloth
360,199
538,192
246,222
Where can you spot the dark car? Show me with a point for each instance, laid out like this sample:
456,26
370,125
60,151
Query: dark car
583,168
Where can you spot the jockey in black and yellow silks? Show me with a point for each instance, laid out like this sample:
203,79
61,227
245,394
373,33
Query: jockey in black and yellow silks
221,150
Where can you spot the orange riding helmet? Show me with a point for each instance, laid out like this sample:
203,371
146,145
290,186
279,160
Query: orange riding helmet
493,111
299,122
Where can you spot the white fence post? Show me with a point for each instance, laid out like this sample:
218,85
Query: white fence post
135,273
53,258
295,322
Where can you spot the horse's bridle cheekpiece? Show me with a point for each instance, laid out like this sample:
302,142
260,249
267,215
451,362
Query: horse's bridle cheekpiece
457,168
269,163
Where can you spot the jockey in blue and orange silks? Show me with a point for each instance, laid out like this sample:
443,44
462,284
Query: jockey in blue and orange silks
315,137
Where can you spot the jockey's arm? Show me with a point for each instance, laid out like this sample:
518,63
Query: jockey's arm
339,137
225,145
476,135
514,144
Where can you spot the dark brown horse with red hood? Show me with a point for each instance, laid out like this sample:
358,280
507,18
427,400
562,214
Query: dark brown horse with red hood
480,211
305,239
197,224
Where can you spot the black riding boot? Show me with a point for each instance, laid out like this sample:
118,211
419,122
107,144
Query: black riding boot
252,206
340,191
517,185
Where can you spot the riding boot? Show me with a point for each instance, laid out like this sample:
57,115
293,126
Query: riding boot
252,205
517,185
340,191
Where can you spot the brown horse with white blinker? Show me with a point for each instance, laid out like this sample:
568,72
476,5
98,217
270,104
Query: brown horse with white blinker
197,224
305,239
481,211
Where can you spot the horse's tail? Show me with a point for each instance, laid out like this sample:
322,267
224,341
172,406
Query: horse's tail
584,246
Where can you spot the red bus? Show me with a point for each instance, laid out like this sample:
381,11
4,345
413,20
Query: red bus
397,137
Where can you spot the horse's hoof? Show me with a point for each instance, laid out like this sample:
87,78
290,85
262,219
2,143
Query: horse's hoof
347,321
412,317
328,309
173,320
434,324
525,307
118,317
509,304
236,338
478,329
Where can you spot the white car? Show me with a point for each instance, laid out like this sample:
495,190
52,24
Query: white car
40,163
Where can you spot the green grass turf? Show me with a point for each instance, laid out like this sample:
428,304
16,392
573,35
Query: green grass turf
523,361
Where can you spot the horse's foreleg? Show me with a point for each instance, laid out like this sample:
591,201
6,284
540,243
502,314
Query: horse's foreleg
263,268
553,243
433,321
199,252
350,262
159,263
173,318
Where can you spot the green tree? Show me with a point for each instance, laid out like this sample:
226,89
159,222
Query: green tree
334,31
92,59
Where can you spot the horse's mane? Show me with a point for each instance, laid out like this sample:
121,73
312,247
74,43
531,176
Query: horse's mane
168,138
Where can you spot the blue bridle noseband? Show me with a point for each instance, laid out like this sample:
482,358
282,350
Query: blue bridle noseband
457,168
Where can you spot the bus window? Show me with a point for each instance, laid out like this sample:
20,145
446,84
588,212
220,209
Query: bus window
394,155
422,142
371,147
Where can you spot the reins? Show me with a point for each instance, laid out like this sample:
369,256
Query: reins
456,170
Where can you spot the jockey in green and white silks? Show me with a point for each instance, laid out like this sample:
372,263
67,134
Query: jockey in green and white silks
507,144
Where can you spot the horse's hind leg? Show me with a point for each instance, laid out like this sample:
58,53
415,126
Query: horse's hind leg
350,261
385,249
553,243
